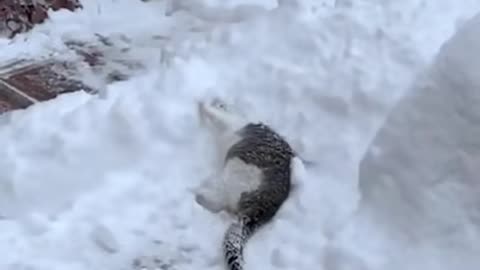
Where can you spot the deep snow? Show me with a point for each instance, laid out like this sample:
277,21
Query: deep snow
420,176
93,182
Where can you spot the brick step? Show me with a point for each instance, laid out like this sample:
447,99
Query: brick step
26,82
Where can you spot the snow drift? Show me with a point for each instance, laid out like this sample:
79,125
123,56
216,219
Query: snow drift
419,179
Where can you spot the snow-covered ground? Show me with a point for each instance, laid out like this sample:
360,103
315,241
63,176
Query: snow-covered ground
93,182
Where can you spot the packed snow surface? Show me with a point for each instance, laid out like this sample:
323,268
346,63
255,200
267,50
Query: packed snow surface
419,179
94,182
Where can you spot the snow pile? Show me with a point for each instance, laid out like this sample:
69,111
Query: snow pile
93,182
420,178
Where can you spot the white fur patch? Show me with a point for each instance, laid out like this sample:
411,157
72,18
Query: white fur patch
223,191
239,177
223,122
220,117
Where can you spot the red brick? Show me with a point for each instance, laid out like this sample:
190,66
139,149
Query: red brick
11,100
43,83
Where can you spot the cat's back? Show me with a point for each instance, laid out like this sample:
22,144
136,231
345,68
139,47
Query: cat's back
261,146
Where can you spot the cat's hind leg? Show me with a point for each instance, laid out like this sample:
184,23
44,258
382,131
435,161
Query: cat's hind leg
210,195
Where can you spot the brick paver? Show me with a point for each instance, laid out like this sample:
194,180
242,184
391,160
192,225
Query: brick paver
25,82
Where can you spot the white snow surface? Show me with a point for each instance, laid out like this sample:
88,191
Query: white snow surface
419,179
93,182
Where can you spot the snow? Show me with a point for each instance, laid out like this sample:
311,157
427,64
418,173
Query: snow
426,162
94,182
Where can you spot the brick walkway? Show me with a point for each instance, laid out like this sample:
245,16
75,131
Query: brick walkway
24,83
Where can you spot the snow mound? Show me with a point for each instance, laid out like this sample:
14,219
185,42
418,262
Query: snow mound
420,176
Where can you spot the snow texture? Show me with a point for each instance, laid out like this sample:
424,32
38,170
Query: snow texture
420,178
96,182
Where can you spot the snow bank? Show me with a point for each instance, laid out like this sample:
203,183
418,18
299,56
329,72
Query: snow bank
419,179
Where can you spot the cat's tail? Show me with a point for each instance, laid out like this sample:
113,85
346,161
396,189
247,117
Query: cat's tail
235,240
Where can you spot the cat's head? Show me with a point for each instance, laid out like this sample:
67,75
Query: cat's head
221,116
